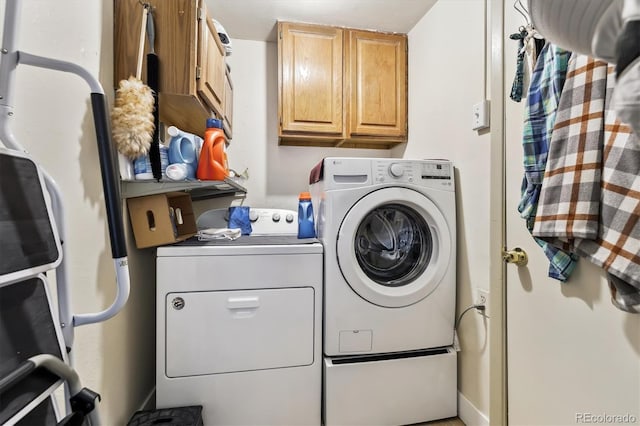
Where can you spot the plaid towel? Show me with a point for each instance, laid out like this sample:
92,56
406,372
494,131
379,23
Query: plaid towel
570,194
547,81
590,197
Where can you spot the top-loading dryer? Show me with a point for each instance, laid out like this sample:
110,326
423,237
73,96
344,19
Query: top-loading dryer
388,227
239,324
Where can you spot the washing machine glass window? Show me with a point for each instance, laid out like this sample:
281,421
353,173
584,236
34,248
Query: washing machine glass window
393,245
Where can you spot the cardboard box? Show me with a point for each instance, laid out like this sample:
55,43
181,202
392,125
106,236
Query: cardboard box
161,219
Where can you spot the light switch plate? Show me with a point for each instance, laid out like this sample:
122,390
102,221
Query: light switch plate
480,115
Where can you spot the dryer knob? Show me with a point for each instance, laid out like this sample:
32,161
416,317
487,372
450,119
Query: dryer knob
289,218
396,170
276,217
253,215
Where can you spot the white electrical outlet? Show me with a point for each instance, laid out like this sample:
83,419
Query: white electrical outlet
480,115
482,298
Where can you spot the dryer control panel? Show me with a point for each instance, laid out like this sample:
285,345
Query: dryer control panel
264,221
432,173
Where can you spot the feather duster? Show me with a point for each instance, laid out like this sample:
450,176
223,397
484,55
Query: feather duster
132,118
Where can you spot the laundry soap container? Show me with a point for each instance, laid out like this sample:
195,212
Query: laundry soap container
306,228
184,151
212,164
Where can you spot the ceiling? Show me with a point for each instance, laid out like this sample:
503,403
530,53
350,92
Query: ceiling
256,19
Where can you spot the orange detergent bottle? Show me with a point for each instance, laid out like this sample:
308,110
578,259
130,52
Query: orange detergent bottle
212,164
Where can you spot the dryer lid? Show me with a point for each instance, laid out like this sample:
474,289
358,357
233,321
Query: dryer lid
394,247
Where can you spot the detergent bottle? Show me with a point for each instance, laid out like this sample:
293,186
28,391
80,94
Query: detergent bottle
184,149
306,228
212,164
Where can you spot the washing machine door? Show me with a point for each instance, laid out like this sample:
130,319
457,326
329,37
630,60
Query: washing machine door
394,247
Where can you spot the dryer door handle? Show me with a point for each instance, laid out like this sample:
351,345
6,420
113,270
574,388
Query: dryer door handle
252,302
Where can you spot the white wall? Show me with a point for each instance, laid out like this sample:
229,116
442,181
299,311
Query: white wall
54,122
446,77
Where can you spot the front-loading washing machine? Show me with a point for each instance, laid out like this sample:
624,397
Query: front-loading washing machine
388,227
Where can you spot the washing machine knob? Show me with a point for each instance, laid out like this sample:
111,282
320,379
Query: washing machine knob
289,218
276,217
396,170
253,215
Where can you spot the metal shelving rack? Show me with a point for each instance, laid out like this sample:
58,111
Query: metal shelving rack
199,190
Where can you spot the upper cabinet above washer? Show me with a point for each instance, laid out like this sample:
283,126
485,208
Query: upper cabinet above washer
377,70
341,87
311,92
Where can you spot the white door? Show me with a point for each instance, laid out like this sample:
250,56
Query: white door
571,356
394,247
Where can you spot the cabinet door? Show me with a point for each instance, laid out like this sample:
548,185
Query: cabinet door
228,106
184,48
311,98
211,67
175,45
378,84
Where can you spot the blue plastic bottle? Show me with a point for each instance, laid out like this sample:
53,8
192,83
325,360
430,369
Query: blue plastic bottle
305,216
184,148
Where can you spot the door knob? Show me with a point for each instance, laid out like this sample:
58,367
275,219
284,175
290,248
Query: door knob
517,256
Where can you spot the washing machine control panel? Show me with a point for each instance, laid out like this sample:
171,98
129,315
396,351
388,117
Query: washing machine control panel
438,170
437,173
393,171
396,170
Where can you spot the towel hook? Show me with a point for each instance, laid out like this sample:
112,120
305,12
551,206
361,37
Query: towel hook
146,5
519,7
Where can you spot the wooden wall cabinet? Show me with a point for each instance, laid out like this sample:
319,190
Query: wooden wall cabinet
211,68
377,68
341,87
311,89
191,57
